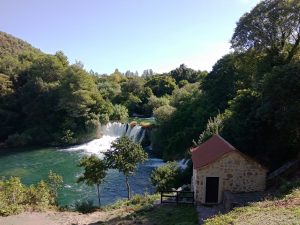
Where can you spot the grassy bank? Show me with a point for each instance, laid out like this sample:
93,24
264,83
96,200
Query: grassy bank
285,210
144,122
142,210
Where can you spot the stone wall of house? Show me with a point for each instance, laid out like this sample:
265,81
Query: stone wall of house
236,174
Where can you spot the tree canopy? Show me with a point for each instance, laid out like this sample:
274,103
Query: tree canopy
272,26
125,155
94,172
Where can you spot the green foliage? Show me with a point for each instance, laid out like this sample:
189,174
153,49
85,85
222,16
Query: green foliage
16,197
188,75
84,206
44,101
161,85
253,90
94,172
11,46
124,155
6,86
120,113
213,126
156,102
166,177
163,113
54,183
272,26
185,93
288,187
136,201
175,135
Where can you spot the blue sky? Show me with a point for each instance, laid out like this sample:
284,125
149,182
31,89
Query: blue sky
127,34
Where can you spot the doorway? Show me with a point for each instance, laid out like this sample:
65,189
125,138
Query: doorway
212,190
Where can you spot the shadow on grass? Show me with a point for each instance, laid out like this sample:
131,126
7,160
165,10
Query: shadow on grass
156,215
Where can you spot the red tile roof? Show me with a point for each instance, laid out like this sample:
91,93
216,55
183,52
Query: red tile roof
211,150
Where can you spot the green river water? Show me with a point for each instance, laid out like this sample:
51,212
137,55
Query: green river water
33,165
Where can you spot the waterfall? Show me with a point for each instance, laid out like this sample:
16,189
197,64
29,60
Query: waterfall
110,132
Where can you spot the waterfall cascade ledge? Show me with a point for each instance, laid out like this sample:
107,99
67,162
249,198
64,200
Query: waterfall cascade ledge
111,132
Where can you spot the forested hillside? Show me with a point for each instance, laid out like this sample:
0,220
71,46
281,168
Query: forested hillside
45,100
251,96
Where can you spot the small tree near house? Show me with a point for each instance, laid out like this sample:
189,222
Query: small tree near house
94,172
124,155
166,177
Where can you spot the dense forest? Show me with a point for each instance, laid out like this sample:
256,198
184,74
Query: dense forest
251,96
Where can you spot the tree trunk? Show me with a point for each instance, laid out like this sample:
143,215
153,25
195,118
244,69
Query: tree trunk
98,191
128,187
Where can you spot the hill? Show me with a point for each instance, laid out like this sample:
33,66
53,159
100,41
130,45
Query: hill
12,46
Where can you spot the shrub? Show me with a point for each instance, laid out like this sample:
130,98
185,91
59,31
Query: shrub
288,186
163,113
165,177
120,113
136,201
84,206
16,197
12,195
18,140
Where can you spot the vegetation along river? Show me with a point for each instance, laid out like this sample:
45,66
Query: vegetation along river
33,165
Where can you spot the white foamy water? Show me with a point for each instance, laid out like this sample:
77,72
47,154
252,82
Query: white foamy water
111,132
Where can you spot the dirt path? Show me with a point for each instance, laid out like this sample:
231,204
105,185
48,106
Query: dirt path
60,218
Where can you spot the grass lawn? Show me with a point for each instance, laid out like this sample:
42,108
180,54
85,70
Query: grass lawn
156,215
144,212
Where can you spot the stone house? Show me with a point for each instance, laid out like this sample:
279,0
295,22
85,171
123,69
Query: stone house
219,167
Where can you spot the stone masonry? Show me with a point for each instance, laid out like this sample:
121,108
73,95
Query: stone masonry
236,172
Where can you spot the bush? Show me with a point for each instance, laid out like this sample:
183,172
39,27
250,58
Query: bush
16,197
166,177
120,113
288,186
18,140
136,200
163,113
84,206
12,196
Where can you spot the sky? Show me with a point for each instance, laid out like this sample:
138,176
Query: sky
127,34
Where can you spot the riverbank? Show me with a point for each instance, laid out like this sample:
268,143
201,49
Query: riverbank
140,210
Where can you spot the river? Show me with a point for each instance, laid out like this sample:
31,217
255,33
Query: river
32,165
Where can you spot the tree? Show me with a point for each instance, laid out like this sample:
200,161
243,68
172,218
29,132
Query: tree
155,102
163,113
213,126
120,113
94,172
165,177
272,25
54,183
124,155
161,85
184,73
220,84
